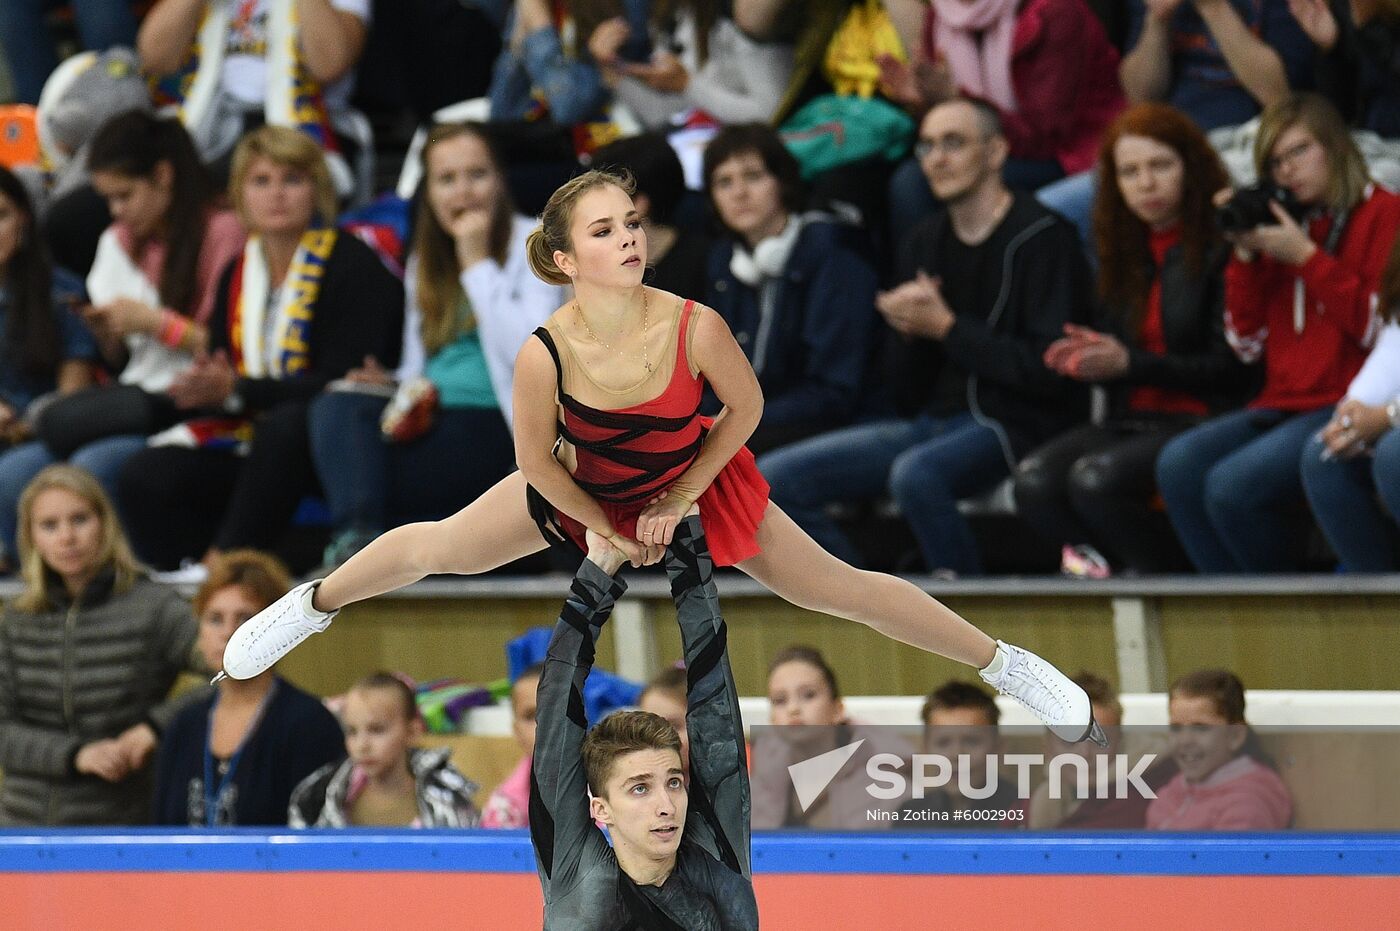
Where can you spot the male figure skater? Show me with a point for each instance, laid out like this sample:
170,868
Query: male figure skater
679,859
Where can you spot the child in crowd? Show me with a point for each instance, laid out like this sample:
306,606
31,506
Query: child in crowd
960,723
509,804
1078,807
1226,783
664,696
234,757
809,719
387,781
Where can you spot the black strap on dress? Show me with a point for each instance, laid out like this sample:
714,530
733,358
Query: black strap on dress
650,467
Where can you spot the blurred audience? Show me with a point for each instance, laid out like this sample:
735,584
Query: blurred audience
151,290
509,805
471,302
960,724
234,757
797,296
701,61
1159,348
1300,292
232,66
808,720
387,780
303,306
985,289
89,650
1351,469
676,251
1226,782
28,42
44,346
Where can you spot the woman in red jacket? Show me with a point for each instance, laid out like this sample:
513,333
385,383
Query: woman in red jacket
1301,296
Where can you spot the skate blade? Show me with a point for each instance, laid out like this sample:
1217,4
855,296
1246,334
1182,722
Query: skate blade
216,679
1096,733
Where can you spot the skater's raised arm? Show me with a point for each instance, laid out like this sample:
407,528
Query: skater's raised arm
719,779
566,841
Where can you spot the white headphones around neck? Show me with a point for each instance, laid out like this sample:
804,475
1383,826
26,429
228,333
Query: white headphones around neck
768,258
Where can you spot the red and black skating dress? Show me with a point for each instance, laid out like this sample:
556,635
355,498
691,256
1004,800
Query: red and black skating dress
626,457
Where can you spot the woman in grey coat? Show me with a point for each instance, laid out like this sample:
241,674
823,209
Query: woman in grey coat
88,653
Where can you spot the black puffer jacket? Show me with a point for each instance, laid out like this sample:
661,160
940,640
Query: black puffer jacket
85,671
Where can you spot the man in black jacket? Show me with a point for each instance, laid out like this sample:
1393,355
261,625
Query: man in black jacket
988,284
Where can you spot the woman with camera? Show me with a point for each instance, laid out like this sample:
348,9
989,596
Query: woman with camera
1300,293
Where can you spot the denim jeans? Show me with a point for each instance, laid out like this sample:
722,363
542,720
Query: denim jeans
18,466
372,485
1232,486
30,49
927,464
1343,494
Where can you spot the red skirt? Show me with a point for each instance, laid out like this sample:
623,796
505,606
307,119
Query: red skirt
730,511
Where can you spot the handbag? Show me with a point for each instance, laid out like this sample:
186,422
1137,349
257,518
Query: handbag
72,422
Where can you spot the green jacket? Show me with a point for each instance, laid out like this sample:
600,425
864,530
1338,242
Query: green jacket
85,671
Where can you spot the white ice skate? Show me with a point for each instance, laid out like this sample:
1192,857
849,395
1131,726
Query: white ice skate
1050,694
271,634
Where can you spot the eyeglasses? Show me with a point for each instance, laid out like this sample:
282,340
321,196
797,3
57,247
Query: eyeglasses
950,144
1290,155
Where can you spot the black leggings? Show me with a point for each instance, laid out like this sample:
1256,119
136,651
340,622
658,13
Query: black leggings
1095,485
178,502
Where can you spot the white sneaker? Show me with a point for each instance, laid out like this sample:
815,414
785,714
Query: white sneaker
1050,694
271,634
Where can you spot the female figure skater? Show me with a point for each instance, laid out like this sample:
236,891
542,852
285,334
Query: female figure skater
608,439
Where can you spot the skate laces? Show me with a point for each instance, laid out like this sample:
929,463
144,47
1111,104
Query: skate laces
1023,681
284,628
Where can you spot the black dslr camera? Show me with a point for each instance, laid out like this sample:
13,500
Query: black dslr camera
1249,208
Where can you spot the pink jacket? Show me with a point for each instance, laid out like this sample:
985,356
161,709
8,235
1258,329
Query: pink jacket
509,805
1065,75
1242,795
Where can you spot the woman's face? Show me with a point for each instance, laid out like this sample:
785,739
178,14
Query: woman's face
748,197
1150,176
609,246
224,613
138,203
1298,162
1202,739
66,531
798,694
13,224
278,198
461,179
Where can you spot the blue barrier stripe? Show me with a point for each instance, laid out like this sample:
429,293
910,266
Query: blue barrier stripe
248,850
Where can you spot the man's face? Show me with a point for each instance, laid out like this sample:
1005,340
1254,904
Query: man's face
954,153
644,803
958,732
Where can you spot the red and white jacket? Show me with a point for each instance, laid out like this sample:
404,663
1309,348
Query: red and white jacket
1314,323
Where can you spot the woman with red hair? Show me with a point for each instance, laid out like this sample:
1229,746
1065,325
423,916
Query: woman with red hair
1160,347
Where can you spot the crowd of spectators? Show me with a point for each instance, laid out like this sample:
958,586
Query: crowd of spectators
1021,213
1175,208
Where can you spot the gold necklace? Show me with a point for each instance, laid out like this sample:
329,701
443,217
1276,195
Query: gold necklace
646,320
